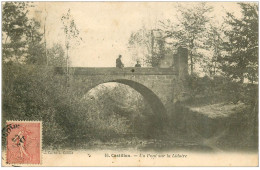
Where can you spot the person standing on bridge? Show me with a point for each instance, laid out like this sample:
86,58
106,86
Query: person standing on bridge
137,64
119,63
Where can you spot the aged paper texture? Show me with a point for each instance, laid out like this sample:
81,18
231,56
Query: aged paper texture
129,84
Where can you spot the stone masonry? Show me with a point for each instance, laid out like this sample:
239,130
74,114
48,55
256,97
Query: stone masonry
159,86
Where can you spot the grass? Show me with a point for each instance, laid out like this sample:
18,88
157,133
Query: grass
219,109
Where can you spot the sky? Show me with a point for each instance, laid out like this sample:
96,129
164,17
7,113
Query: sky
105,27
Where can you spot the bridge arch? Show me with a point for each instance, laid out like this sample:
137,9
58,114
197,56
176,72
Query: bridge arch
155,103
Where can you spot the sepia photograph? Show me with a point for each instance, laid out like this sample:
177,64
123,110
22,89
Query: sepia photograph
129,83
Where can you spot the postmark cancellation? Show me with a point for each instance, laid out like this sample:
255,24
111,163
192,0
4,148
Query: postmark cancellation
23,142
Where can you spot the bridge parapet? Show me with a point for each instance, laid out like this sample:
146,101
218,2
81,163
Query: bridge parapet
116,71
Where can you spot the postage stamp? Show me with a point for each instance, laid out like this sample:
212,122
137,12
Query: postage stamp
23,142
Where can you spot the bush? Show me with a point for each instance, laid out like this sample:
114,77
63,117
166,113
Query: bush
31,93
220,89
36,93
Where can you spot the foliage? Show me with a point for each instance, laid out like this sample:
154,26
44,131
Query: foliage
56,56
30,93
71,32
14,27
111,112
209,90
241,46
21,35
36,49
37,93
214,47
139,43
191,30
147,45
70,29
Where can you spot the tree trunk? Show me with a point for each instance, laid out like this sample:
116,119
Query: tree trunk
191,63
67,66
5,44
191,54
67,59
45,43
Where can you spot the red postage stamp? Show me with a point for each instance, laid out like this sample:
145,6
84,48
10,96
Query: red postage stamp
23,142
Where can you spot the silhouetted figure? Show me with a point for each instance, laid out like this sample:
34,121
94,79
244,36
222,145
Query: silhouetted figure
138,64
119,63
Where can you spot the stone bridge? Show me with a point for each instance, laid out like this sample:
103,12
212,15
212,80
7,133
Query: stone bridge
158,86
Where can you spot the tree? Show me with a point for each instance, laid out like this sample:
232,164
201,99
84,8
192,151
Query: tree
21,35
211,63
158,48
71,33
191,30
147,45
139,44
241,45
14,27
56,56
36,50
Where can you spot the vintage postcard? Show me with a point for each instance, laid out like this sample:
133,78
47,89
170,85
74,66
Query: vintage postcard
129,83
